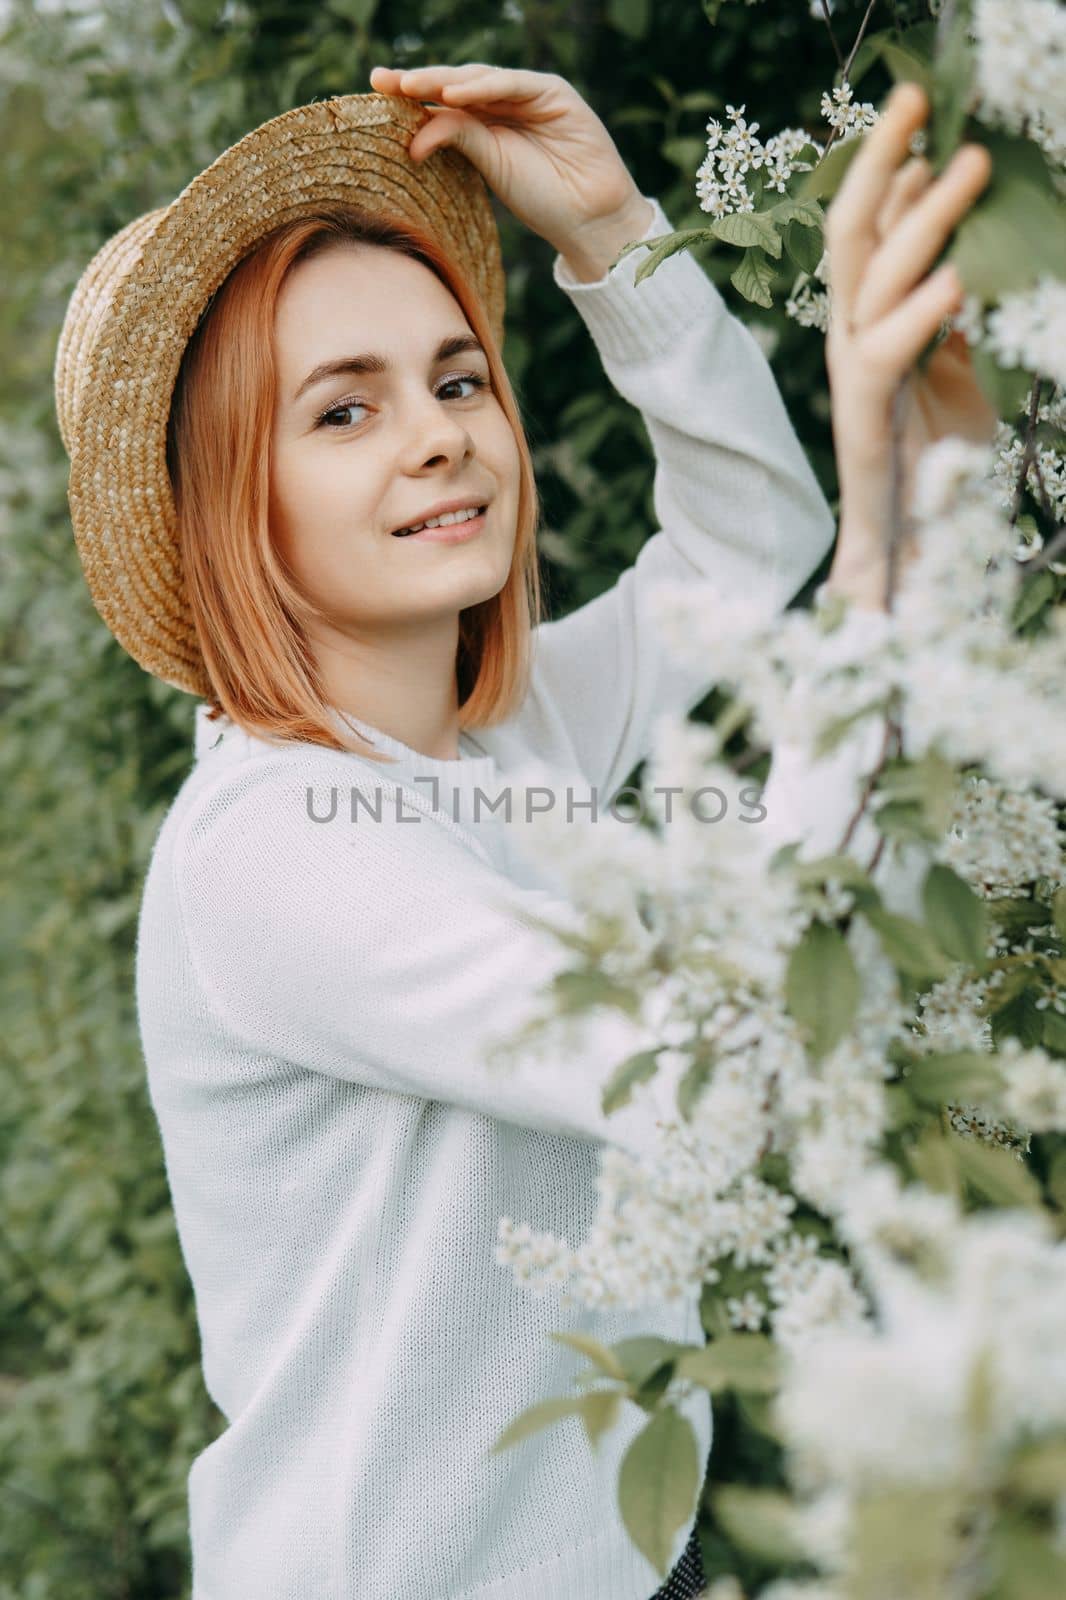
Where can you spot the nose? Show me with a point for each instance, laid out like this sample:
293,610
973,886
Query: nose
435,431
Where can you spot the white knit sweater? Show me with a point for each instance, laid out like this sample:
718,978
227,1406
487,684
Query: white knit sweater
314,1003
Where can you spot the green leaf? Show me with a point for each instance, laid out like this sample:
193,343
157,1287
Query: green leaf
932,1160
748,1361
604,1358
1039,1470
837,728
598,1412
685,152
1058,912
952,87
641,1357
1036,591
955,916
899,1105
804,245
1054,1032
753,277
353,11
760,1521
618,1090
808,213
822,987
660,250
1027,1564
825,179
845,869
906,66
694,1080
578,991
916,44
931,781
903,1541
1056,1178
907,944
905,819
630,17
657,1484
994,1173
1005,388
964,1076
758,1413
534,1418
1013,235
1019,1018
748,228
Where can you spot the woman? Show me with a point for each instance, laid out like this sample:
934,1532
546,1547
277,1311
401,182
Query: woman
319,983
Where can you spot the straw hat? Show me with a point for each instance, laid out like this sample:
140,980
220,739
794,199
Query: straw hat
139,300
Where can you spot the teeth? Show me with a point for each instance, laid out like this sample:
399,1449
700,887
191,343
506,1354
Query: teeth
445,521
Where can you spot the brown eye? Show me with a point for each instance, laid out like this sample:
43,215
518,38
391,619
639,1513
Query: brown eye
350,405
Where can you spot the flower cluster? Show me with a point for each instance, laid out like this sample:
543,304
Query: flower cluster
1021,69
840,111
1045,477
1028,329
949,662
735,151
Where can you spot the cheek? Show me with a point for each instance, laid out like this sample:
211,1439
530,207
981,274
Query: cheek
311,503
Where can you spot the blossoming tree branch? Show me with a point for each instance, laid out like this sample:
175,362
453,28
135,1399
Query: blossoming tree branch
865,1176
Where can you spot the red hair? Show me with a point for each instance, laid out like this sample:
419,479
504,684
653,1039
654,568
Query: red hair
249,613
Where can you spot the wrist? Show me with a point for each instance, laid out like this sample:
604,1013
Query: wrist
862,582
593,250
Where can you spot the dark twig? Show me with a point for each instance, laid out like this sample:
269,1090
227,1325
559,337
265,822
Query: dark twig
891,731
832,35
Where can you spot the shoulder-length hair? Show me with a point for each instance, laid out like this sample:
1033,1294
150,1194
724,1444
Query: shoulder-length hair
249,612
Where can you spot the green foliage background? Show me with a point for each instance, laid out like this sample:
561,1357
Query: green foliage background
104,114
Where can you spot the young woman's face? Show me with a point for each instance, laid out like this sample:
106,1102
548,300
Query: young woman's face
357,454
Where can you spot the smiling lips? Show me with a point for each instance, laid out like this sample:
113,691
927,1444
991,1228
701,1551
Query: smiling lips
448,532
459,505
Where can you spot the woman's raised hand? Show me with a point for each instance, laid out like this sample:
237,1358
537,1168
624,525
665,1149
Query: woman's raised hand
534,140
884,230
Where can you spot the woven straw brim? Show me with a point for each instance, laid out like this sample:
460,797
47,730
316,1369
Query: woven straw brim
140,299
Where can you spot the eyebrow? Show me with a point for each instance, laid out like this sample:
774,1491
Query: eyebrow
352,366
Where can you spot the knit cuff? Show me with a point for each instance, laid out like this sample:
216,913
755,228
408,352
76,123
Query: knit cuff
632,321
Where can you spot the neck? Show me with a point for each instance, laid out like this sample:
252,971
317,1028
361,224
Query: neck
404,683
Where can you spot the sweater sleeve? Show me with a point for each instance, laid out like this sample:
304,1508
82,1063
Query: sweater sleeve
735,497
388,953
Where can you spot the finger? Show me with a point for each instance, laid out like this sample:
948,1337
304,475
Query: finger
498,84
447,125
851,221
921,233
892,345
910,181
422,82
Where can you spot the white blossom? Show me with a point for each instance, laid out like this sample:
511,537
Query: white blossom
1020,61
840,112
1035,1094
1000,839
1028,328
